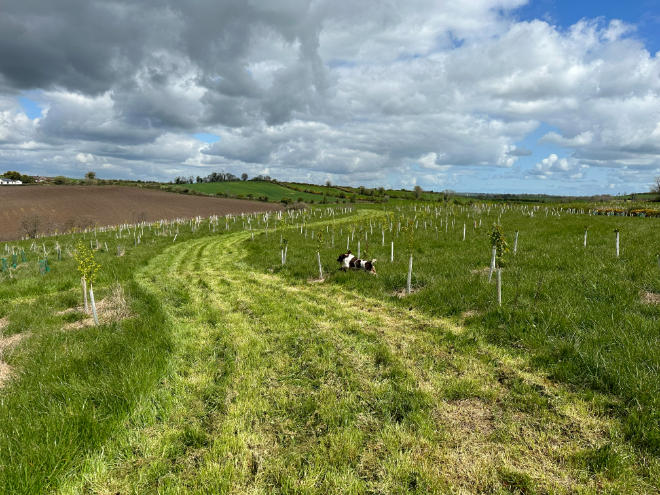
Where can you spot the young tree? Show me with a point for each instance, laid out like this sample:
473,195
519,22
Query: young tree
499,244
418,191
87,267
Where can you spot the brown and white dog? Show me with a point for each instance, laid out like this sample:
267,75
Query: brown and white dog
349,261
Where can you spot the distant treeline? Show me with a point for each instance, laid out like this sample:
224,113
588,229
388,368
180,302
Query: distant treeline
540,198
219,177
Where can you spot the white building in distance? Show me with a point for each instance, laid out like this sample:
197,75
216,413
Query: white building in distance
9,182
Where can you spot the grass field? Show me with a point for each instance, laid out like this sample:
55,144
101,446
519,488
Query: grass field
274,192
587,316
232,373
333,191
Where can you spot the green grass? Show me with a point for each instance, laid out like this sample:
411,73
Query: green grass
579,311
311,388
274,192
235,374
73,386
329,191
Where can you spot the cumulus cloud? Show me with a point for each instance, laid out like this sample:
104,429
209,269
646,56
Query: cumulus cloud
431,92
554,167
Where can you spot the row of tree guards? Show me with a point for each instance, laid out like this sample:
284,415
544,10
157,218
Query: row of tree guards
43,264
425,216
85,254
497,240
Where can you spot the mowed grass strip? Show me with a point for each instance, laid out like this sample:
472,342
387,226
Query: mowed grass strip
283,387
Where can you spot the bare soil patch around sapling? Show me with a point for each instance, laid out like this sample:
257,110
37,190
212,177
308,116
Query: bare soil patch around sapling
6,344
401,293
113,308
649,297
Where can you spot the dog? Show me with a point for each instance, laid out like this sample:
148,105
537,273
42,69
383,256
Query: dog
349,261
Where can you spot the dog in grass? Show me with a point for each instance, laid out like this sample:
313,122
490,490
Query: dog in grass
349,261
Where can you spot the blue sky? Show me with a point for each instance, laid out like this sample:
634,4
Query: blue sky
30,107
645,15
495,96
206,138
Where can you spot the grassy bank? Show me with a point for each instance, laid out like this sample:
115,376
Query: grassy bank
257,189
72,384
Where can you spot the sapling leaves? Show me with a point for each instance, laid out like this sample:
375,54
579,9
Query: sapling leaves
498,241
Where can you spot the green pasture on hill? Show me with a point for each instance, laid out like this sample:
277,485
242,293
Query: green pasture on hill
274,192
354,190
333,191
219,369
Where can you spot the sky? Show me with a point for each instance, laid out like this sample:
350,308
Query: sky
509,96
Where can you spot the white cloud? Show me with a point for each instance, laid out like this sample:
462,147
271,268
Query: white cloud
354,91
429,162
85,158
554,167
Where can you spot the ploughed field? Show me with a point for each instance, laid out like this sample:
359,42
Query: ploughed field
63,207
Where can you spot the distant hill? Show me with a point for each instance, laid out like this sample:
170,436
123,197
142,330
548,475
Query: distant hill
275,192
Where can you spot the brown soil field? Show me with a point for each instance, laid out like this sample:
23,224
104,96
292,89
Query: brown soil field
63,207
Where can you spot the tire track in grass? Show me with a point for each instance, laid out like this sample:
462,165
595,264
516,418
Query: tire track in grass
287,384
313,392
280,388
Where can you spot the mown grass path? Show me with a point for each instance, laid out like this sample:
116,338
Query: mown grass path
277,387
